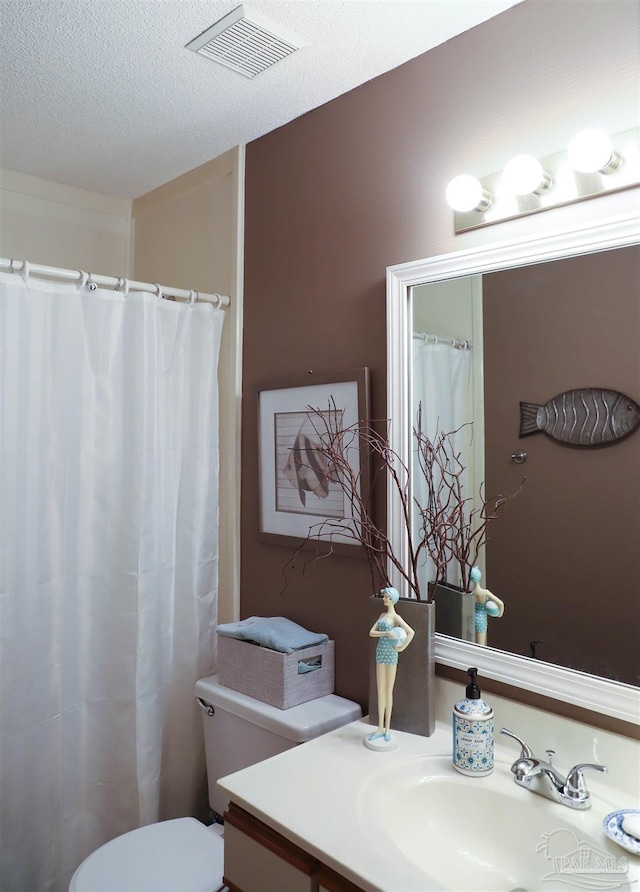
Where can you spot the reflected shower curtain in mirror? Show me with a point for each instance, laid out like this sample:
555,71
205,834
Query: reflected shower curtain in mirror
108,567
442,387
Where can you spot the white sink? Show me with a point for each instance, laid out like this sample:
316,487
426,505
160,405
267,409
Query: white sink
487,833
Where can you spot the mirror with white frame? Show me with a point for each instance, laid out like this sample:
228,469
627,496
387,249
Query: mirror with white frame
590,688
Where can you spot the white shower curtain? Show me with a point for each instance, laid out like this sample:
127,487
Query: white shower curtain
442,387
108,567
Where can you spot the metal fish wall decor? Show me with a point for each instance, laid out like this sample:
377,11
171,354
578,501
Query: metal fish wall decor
590,416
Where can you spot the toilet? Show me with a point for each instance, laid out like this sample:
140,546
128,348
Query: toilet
182,855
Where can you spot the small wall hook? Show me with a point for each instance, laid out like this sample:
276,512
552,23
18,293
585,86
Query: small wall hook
519,457
533,645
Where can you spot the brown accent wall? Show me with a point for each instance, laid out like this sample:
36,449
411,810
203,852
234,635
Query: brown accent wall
336,196
565,556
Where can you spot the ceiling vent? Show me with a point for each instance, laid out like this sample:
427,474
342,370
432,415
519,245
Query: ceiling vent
246,42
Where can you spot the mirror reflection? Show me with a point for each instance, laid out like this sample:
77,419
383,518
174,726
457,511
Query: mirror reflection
564,556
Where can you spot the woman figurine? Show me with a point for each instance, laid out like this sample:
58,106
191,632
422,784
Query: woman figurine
394,635
485,603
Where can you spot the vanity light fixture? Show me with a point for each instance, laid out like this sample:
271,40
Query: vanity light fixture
524,174
593,164
465,193
591,151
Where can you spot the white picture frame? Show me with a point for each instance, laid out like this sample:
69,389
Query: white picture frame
296,497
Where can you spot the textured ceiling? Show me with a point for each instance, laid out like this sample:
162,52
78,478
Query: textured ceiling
102,94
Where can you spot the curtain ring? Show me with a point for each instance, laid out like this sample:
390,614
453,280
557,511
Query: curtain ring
83,279
11,266
25,270
193,297
158,291
90,284
122,286
218,303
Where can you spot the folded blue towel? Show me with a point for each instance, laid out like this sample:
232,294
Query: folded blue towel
305,666
275,632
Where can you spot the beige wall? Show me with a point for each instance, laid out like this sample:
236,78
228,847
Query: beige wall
444,309
57,225
188,233
357,185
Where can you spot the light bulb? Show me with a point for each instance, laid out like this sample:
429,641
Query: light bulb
524,174
591,151
465,193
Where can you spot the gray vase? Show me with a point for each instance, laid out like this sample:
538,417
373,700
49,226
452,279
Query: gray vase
413,693
455,611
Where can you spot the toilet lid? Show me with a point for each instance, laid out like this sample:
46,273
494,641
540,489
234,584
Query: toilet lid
172,856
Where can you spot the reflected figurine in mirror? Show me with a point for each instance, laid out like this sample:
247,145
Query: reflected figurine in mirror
486,604
394,635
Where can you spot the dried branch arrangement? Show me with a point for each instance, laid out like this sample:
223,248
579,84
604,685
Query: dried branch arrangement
449,530
452,530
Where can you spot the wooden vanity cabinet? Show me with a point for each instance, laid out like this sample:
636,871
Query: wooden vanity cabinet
258,859
330,881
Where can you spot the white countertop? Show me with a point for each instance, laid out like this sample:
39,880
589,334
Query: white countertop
315,795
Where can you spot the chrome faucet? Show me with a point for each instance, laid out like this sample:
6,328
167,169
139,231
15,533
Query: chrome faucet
543,778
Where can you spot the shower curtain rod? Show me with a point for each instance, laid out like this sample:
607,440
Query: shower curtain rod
117,283
456,343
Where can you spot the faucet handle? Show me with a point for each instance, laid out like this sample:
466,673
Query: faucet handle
527,752
575,786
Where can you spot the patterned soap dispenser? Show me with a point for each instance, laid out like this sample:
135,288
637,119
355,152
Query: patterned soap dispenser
473,732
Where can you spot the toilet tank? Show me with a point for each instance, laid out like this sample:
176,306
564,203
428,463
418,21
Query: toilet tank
240,731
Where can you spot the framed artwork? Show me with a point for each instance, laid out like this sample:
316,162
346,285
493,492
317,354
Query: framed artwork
297,491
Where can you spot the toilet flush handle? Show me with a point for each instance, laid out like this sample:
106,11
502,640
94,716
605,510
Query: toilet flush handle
205,707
